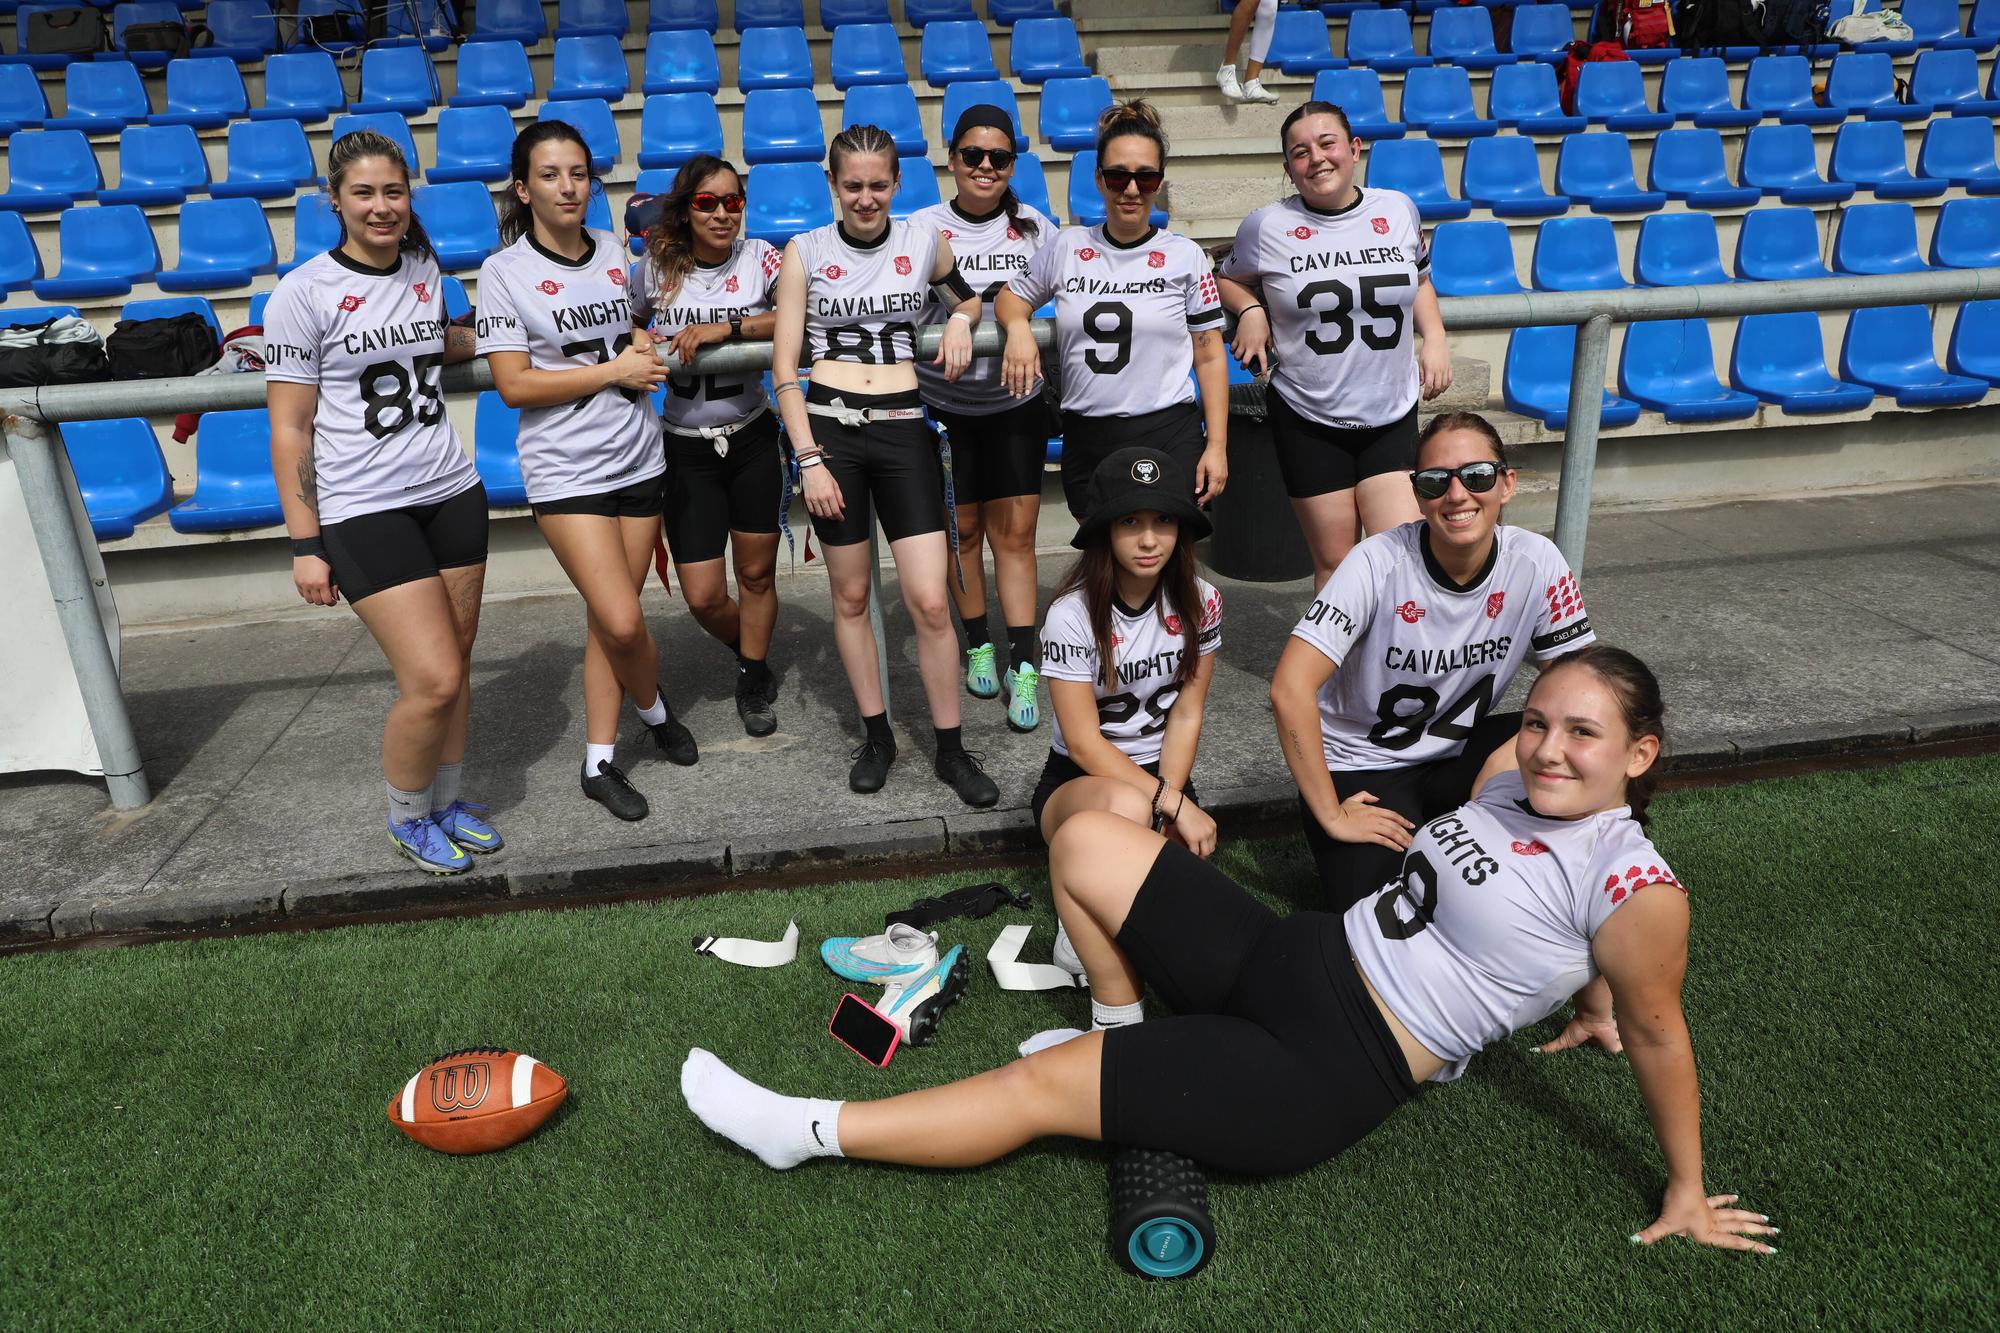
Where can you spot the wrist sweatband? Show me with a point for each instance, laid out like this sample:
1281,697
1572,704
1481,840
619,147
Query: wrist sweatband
313,545
1158,791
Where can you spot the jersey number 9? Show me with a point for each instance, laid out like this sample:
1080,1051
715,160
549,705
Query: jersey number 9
1341,314
390,409
1108,323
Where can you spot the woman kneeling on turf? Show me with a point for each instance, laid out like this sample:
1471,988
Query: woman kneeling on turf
1293,1037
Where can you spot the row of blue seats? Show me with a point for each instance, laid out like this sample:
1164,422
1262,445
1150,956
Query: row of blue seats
242,30
524,20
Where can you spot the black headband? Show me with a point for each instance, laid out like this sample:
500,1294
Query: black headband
984,116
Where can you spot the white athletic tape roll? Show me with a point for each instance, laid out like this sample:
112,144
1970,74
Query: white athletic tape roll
752,953
1012,974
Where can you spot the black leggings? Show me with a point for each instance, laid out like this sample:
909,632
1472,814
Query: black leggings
890,468
1275,1058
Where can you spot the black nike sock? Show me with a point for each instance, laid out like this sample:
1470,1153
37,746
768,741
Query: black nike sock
976,632
1023,646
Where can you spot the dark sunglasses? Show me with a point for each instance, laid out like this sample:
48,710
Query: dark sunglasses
1120,179
1001,158
707,202
1478,478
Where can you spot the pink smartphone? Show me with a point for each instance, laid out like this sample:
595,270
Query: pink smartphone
862,1028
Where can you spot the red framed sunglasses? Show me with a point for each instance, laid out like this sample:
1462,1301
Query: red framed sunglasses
708,201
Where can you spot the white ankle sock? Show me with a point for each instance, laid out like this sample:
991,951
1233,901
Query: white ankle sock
1104,1016
1042,1041
782,1131
657,714
444,787
594,754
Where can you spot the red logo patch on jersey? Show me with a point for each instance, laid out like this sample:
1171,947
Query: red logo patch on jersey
946,232
1013,234
617,276
1173,624
730,284
1535,848
351,303
833,272
1410,612
1086,254
903,265
1156,259
548,287
1117,640
1494,601
1381,226
1303,233
423,297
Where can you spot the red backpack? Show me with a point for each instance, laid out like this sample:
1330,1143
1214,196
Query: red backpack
1645,23
1575,58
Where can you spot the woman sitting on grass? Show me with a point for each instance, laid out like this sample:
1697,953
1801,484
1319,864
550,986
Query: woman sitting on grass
1293,1037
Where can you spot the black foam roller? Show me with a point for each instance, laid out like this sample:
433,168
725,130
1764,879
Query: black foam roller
1160,1227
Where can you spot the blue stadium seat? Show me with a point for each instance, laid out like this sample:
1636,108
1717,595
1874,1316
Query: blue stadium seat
1946,80
300,85
1070,108
1959,150
1380,40
1870,153
206,94
1504,176
242,29
496,74
1358,92
1535,379
1697,90
1576,255
786,198
1524,97
773,58
675,127
426,23
1612,93
315,230
21,17
1668,365
101,97
20,262
1596,168
48,170
350,10
916,187
1782,87
120,472
267,160
167,307
474,143
393,128
1542,32
224,243
865,53
1462,35
1982,30
591,18
592,118
1678,250
141,11
1967,234
508,21
589,67
682,16
1031,184
783,125
1974,350
104,251
1415,167
681,61
1932,22
157,165
1889,350
1778,244
495,428
1300,43
1438,102
1086,204
22,106
1687,165
1009,13
837,14
923,13
398,80
1877,238
1779,160
995,92
13,316
770,14
597,213
1473,259
233,484
954,52
1043,49
460,220
1864,84
893,109
1778,359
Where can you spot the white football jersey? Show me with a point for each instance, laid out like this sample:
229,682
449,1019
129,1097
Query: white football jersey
737,288
1147,643
863,302
1339,288
989,251
1123,315
566,314
1487,930
372,342
1420,659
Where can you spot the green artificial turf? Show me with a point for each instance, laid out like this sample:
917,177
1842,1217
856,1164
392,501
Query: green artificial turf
194,1133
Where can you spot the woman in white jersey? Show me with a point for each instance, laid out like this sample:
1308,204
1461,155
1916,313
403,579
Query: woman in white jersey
1135,309
700,282
555,324
381,502
1291,1038
1384,693
850,294
998,439
1328,287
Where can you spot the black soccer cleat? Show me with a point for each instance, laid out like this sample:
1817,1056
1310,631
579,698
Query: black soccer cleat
610,788
871,766
961,771
753,705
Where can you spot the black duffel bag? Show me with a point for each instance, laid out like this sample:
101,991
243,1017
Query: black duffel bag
64,32
64,350
158,349
175,39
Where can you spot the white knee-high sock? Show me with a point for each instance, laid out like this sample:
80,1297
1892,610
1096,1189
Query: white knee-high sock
782,1131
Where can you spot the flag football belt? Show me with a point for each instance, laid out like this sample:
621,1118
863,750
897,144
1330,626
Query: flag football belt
751,953
974,901
717,435
861,416
1013,974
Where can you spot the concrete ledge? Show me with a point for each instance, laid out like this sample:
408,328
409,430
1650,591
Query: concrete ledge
201,909
912,838
993,831
392,891
1823,741
619,871
73,918
26,927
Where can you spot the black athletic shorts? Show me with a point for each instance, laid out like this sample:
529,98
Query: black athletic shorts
998,455
1350,871
1316,459
886,467
1275,1057
372,552
710,495
638,499
1175,431
1060,768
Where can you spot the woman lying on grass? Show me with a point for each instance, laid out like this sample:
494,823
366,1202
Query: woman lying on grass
1292,1037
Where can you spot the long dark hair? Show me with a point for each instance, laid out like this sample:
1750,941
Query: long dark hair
351,148
1637,690
670,242
1095,575
516,218
1009,201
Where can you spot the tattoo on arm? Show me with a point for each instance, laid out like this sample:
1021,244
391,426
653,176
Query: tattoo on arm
459,338
308,483
1298,746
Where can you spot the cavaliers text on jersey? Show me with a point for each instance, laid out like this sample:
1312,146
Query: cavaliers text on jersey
865,299
988,251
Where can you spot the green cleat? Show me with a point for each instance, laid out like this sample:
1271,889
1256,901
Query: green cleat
980,682
1023,713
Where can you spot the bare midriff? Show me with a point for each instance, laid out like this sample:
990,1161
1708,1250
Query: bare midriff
1421,1061
859,377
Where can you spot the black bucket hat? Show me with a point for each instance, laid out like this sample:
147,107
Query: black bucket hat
1139,478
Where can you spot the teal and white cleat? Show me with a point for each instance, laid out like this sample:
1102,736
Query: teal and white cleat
916,1007
889,959
425,843
980,682
467,829
1023,711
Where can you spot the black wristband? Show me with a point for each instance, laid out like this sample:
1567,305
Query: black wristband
313,545
1159,791
736,328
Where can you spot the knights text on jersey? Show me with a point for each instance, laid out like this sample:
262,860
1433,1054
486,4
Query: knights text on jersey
1123,315
1420,660
565,314
1148,644
372,343
737,288
863,302
1488,928
988,253
1339,288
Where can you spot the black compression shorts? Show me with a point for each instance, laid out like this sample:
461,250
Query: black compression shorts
1175,431
1275,1058
886,467
638,499
1060,768
370,553
1316,459
710,495
997,455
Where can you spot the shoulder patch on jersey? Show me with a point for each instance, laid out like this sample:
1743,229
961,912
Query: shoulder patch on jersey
773,261
1564,599
1211,609
1620,887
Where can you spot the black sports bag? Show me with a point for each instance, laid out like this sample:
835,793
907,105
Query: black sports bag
63,350
157,349
64,32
